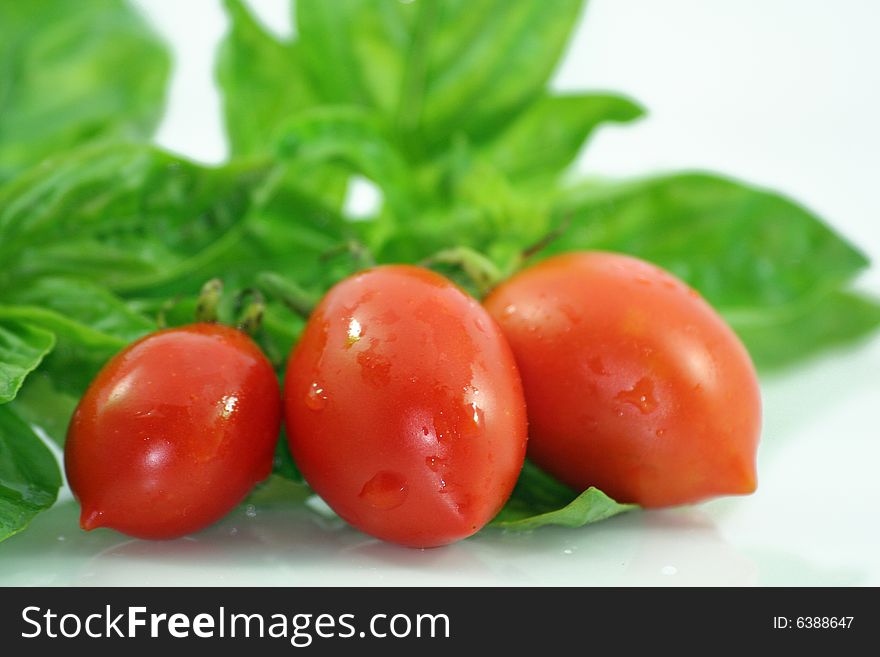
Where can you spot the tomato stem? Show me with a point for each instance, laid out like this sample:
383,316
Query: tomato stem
165,308
289,293
547,239
481,271
357,250
252,318
209,300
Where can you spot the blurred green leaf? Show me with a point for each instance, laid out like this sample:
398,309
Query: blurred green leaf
353,138
742,247
782,336
89,322
124,216
262,79
40,404
29,475
22,347
547,137
75,71
284,465
435,69
538,500
84,303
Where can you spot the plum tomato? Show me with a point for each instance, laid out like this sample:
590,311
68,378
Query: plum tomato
404,408
174,432
634,384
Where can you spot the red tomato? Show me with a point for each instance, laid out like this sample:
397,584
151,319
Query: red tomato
173,432
634,384
404,408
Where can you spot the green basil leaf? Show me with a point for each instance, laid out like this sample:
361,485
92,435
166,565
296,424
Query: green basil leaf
538,500
72,72
40,404
125,216
547,137
84,303
284,465
22,347
353,51
79,351
435,69
742,247
29,475
262,80
62,327
354,138
782,336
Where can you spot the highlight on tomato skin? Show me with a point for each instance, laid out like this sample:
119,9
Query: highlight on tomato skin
634,383
173,432
404,408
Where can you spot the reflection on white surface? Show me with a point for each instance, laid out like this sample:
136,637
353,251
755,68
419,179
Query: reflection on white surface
295,547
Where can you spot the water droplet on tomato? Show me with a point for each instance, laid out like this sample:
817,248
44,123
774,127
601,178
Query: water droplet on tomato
509,310
571,313
641,395
660,433
476,414
355,333
385,490
316,397
433,462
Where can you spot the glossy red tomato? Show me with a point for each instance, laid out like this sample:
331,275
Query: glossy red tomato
404,408
173,432
634,383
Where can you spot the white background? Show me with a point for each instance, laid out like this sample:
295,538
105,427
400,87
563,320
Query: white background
782,93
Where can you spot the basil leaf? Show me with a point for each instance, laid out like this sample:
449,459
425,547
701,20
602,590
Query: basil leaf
538,500
283,465
782,336
434,69
72,72
125,216
84,303
547,137
354,138
29,475
262,80
22,347
742,247
353,51
40,404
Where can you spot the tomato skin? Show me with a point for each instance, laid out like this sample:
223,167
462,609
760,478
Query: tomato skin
173,432
634,384
404,408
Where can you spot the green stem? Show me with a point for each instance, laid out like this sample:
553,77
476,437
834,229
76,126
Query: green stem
289,293
252,318
358,251
209,299
482,272
548,239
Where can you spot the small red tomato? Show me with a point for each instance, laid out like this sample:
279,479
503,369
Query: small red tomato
404,408
634,384
173,432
